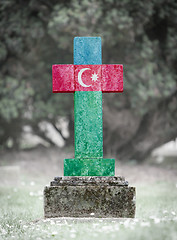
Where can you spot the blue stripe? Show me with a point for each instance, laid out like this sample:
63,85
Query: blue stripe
87,50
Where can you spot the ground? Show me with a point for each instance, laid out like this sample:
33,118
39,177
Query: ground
24,174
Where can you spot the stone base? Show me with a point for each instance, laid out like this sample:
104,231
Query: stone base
102,197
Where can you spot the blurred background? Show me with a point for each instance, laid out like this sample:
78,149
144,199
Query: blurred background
37,126
141,35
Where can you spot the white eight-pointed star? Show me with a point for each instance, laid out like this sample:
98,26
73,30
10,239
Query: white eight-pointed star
94,77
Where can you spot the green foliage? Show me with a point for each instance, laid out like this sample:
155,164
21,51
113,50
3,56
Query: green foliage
3,52
15,95
36,34
127,30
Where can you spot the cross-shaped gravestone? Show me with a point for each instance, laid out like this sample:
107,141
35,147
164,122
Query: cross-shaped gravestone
78,193
87,79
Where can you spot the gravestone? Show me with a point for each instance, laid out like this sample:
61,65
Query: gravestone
88,187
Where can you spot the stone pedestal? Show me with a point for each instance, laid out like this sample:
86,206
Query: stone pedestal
103,197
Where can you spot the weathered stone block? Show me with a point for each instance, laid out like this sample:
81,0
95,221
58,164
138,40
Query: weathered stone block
63,78
88,124
112,78
87,77
87,50
89,167
89,197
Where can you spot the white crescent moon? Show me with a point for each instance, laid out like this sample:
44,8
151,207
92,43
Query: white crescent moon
80,77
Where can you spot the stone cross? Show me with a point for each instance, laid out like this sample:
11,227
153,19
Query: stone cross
87,79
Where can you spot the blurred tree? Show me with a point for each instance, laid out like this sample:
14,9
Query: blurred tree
141,35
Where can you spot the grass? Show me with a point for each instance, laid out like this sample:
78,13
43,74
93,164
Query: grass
21,216
21,202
